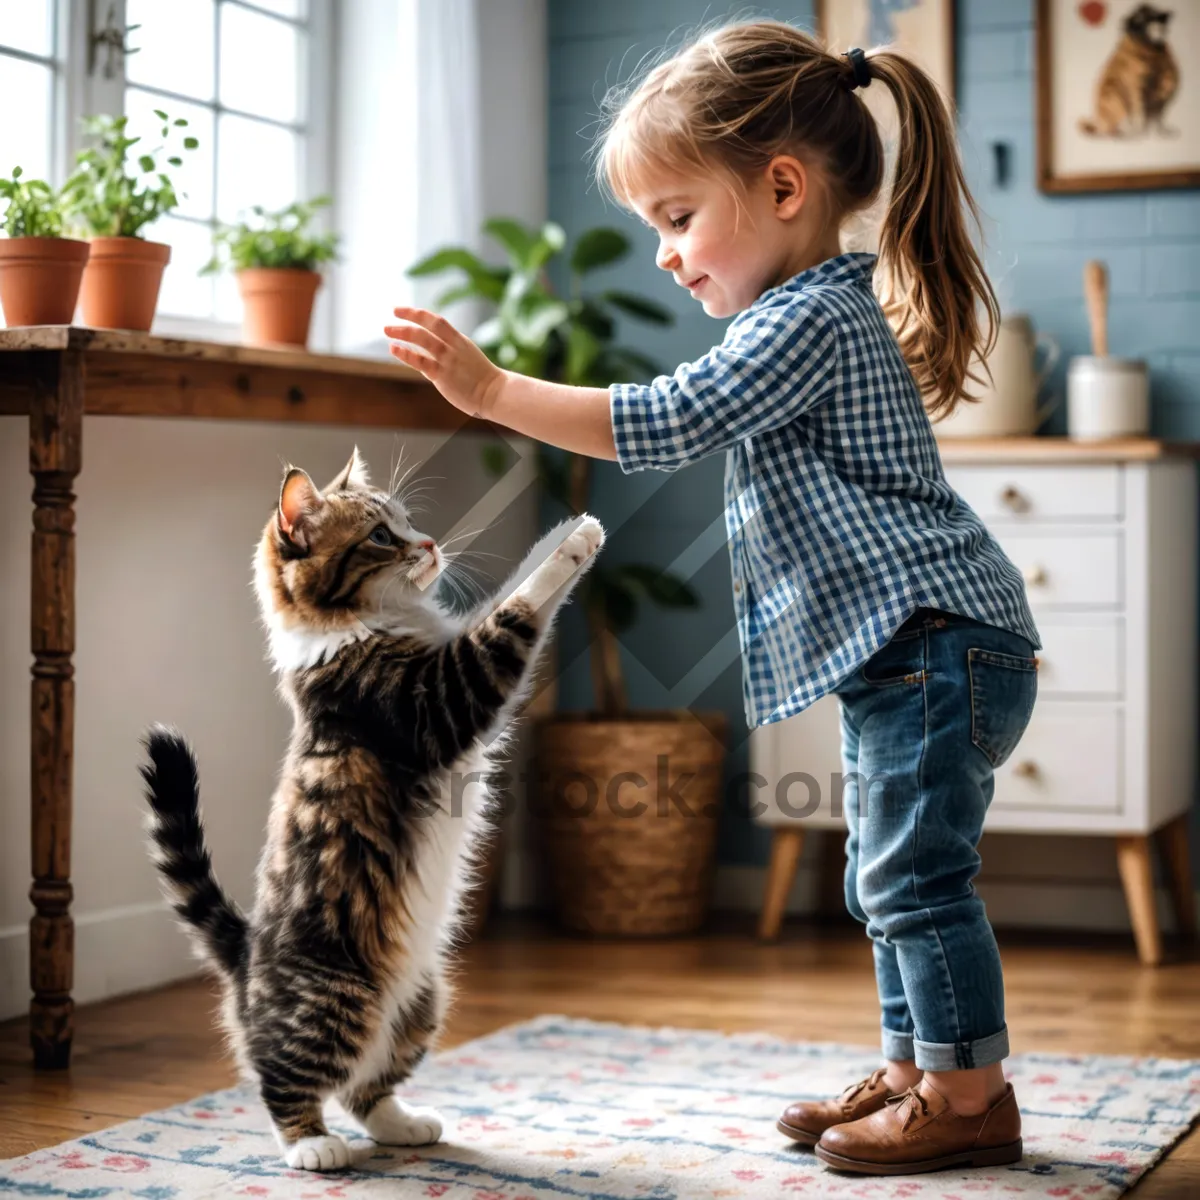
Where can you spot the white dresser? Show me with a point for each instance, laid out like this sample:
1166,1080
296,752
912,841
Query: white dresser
1106,536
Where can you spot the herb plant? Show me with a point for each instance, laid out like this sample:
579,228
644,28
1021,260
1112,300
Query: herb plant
32,210
274,239
114,194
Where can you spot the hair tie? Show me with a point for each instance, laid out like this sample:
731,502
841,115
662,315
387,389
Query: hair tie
862,69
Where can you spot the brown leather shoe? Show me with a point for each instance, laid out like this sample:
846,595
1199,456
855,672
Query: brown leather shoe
917,1131
805,1121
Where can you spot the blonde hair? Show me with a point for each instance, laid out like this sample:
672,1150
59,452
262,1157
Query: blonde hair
741,94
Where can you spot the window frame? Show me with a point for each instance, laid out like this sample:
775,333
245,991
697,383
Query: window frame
82,89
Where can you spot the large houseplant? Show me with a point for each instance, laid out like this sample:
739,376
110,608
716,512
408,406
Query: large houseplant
40,269
276,258
112,197
617,868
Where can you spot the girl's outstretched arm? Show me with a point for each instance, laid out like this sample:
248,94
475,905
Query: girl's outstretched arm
573,418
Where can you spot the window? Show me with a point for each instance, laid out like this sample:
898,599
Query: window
250,76
30,72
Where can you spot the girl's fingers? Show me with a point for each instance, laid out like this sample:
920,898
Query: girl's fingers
417,336
413,358
428,320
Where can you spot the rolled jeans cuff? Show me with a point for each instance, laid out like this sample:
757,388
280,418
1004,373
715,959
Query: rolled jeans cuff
961,1056
897,1047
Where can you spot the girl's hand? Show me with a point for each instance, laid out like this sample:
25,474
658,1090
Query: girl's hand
447,358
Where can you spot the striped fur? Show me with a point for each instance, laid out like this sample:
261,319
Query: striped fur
337,984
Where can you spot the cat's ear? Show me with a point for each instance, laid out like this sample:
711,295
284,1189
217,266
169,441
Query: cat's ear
353,474
299,501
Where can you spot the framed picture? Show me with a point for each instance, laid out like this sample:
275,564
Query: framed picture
923,30
1118,94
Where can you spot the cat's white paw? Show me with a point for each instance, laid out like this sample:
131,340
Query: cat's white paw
328,1153
393,1123
583,541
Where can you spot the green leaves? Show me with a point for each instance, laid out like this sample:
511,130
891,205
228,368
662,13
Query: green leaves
483,282
275,239
32,208
107,195
640,307
598,248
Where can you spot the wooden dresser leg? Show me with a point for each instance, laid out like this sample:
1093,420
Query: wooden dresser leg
1173,844
1137,877
55,438
786,845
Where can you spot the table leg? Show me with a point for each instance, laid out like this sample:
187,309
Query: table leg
55,443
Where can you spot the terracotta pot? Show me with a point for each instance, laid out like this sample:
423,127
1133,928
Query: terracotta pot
39,279
120,285
278,304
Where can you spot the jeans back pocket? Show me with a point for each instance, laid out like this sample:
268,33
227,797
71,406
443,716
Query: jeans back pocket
1003,691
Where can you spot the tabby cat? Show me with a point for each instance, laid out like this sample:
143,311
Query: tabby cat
336,984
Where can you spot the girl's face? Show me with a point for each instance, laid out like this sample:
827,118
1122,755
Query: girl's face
725,253
725,249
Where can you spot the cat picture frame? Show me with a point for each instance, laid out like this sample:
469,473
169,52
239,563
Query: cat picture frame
1118,95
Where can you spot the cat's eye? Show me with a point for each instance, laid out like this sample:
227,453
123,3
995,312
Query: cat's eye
381,535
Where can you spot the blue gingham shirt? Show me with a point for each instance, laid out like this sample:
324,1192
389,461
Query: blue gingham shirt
840,519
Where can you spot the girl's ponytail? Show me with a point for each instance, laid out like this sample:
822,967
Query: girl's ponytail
936,293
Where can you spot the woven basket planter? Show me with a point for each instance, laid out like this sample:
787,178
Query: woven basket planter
630,860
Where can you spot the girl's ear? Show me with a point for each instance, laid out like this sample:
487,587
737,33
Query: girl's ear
353,474
787,178
299,502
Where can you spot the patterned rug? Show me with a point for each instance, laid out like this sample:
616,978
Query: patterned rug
559,1109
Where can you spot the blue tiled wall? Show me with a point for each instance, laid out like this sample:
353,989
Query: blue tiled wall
1037,246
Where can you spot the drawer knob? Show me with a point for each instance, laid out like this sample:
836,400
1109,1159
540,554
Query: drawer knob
1035,575
1013,498
1026,769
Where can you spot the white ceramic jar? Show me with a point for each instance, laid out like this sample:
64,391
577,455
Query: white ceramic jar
1107,397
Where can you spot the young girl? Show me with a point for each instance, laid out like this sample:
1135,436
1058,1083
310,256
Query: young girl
856,568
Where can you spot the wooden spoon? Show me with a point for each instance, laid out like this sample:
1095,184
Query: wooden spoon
1095,291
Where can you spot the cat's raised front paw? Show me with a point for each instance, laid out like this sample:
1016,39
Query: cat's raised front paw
327,1153
584,541
393,1123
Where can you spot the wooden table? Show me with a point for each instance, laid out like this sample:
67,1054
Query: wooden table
55,374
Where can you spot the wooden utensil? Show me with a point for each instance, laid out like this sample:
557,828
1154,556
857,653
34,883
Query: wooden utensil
1095,292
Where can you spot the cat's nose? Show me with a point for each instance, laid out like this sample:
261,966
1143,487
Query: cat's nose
427,544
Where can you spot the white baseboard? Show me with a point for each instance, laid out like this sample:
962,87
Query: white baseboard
1086,906
117,950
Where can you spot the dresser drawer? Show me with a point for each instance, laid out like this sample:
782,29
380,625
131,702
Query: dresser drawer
1031,493
1081,655
1070,759
1079,568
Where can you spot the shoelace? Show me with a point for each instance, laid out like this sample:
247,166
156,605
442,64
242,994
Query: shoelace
871,1081
916,1098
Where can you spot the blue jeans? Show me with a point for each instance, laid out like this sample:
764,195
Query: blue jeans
925,722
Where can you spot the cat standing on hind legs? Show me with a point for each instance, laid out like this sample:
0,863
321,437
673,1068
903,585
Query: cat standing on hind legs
335,984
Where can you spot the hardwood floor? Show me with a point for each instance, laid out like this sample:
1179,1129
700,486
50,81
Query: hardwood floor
1065,995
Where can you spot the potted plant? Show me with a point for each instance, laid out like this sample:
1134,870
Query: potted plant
112,199
276,260
40,269
617,866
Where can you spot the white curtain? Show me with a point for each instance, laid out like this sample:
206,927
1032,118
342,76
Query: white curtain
409,176
449,206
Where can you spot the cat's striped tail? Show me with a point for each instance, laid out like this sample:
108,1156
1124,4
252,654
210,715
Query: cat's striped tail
173,790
